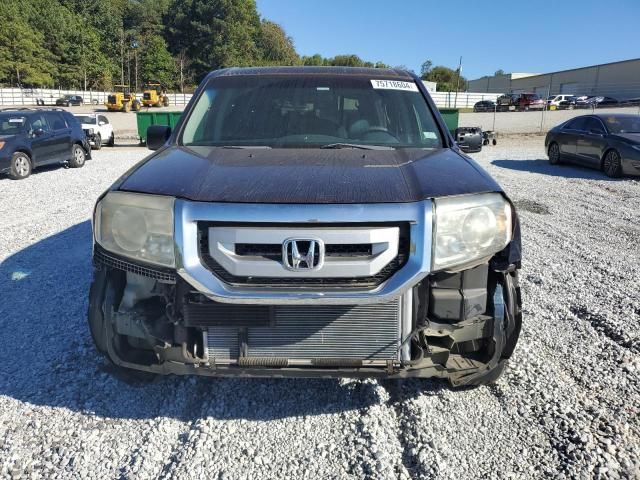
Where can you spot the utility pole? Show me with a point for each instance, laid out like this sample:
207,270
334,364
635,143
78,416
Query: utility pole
134,47
122,56
455,102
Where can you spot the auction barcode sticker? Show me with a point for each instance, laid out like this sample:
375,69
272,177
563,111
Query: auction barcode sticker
394,85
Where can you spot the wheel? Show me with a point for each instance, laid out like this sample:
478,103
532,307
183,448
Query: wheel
165,101
97,142
135,106
126,107
78,157
112,140
611,164
554,154
495,142
20,166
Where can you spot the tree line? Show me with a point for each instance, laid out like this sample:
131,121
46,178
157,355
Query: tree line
94,44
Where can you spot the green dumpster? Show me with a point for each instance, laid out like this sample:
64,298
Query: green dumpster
145,119
450,117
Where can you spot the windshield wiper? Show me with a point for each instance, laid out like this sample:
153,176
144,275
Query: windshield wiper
357,145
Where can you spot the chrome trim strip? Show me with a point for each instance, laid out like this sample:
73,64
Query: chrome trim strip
190,268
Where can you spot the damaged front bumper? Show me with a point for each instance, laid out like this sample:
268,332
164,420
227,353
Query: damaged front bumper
462,326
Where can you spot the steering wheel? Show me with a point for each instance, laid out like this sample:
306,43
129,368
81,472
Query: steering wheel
375,129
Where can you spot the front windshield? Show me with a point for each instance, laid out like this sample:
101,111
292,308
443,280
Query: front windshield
86,119
623,124
293,111
12,124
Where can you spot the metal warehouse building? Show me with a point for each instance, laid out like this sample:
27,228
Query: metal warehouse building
620,80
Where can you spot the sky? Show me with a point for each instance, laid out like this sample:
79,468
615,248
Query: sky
537,37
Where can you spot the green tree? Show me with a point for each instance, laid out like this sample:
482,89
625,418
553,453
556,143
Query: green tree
425,68
23,60
347,61
446,78
156,61
499,72
214,33
314,60
275,47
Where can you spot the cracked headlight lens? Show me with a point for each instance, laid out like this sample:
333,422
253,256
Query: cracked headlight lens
136,226
469,228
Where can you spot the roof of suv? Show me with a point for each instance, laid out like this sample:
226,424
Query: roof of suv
356,71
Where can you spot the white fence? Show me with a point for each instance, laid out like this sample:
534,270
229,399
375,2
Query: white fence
32,96
460,99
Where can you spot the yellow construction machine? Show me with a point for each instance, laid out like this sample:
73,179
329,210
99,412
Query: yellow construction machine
122,100
154,95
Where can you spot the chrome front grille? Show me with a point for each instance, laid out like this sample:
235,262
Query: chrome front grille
336,333
200,270
360,257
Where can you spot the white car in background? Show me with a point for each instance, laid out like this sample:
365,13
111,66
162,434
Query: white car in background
556,99
99,130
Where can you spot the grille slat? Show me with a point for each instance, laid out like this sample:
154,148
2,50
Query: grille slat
364,332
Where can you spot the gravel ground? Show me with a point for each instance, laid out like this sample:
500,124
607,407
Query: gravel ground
568,407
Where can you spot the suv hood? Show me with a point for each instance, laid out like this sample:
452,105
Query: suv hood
213,174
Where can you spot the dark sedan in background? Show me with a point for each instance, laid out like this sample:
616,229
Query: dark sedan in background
69,100
610,143
484,106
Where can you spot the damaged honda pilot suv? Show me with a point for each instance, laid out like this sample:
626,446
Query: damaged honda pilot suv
311,222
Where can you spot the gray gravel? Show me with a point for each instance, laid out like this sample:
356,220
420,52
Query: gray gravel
568,407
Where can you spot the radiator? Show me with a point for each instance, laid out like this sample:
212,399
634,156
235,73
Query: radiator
325,334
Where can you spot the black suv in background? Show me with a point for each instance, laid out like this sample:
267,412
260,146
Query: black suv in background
32,138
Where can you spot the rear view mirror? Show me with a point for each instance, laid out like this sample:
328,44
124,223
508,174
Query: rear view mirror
157,135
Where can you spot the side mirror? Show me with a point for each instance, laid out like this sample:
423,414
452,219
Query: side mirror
102,123
157,136
38,131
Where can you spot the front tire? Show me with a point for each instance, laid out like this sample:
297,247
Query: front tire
554,154
78,157
611,164
20,166
97,142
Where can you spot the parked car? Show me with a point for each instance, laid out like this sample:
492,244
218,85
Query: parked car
529,101
521,102
69,100
601,101
484,106
610,143
506,102
579,101
98,129
558,100
258,239
31,138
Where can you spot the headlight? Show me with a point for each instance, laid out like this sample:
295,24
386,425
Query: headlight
469,228
136,226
